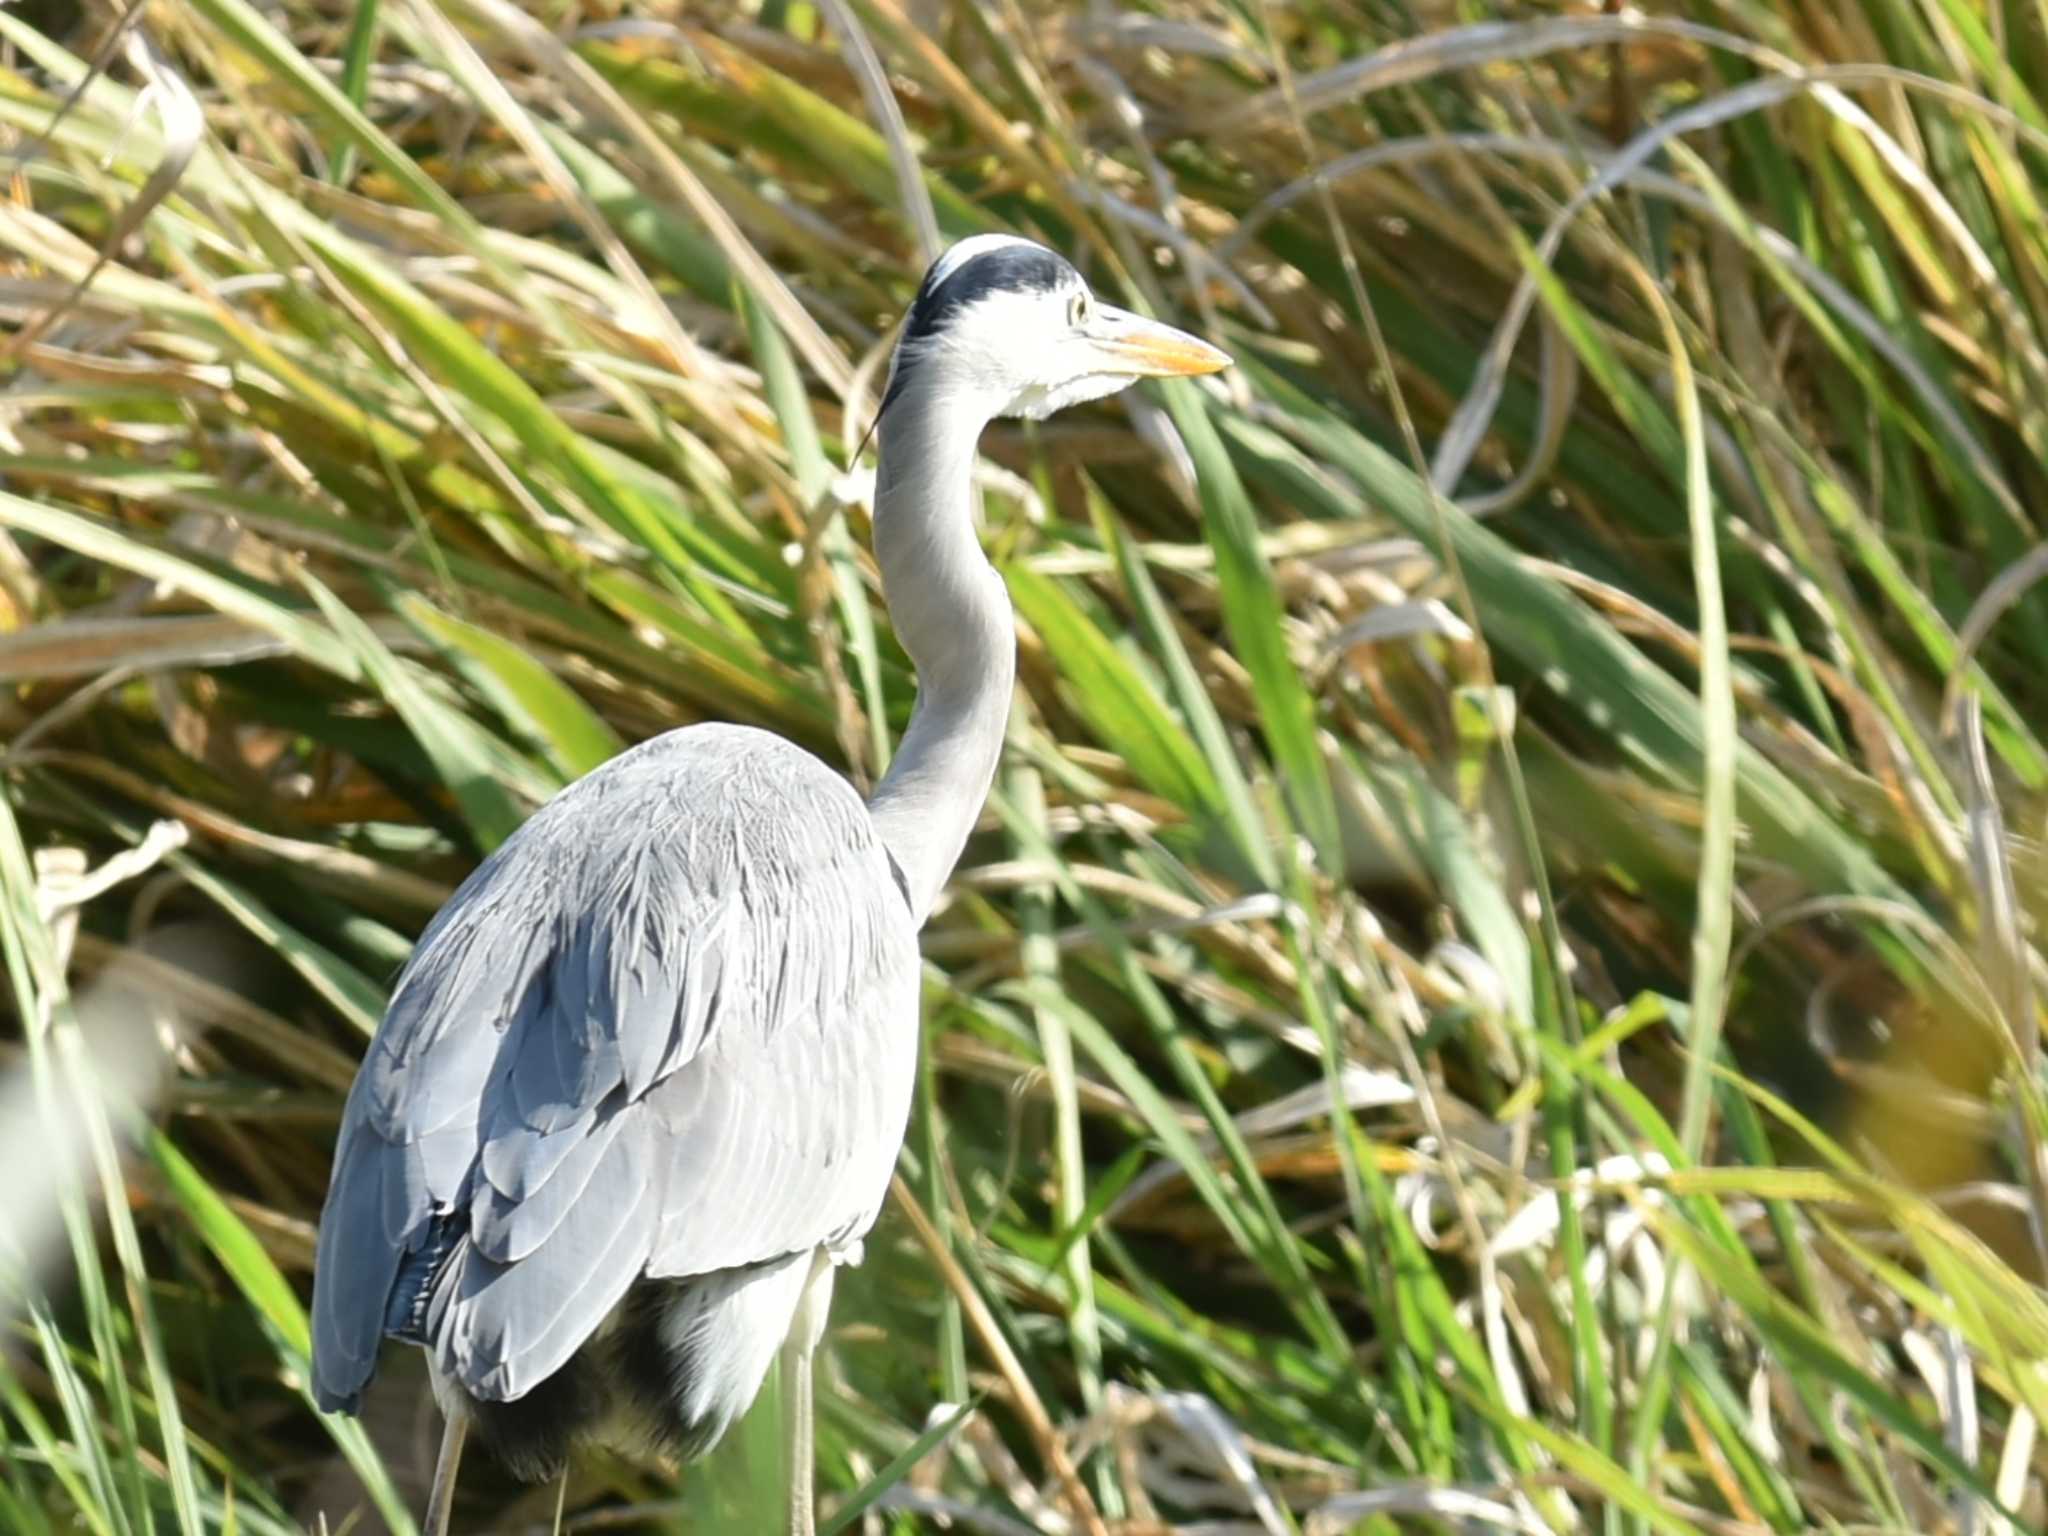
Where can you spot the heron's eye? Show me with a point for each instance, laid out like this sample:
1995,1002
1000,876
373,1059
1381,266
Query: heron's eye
1077,310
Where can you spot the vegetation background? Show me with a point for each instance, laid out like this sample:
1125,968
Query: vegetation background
1496,990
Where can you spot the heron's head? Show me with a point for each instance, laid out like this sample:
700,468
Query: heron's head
1009,326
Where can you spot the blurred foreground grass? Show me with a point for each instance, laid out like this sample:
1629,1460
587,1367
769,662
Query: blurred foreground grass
405,404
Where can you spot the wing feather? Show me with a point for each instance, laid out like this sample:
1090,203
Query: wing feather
508,1226
350,1289
500,1328
518,1160
668,1028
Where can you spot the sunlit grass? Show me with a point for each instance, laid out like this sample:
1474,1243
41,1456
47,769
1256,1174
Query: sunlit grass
1559,719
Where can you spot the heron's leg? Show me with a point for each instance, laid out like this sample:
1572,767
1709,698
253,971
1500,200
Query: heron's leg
796,1397
797,1354
442,1500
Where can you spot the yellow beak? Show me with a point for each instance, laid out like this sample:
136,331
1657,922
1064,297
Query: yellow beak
1148,350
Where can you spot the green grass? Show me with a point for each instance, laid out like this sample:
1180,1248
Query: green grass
406,406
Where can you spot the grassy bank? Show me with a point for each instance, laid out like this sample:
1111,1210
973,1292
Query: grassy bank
1560,719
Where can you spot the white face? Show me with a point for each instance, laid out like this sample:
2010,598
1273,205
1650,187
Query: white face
1011,325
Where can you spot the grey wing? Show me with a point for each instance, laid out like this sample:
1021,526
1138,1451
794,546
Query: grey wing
668,1028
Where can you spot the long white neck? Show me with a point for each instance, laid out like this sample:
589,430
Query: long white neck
952,613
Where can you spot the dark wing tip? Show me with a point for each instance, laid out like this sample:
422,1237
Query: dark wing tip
329,1401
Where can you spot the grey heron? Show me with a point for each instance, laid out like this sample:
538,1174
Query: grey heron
640,1088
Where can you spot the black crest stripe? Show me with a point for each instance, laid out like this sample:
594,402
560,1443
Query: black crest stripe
1019,268
1005,269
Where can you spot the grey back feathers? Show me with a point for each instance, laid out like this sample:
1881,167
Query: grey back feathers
668,1029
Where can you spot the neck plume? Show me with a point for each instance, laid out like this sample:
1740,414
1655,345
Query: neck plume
951,612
